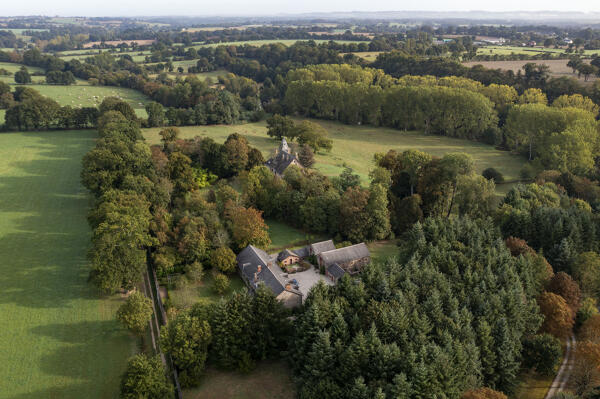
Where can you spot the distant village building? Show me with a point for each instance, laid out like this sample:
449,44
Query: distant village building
282,159
258,267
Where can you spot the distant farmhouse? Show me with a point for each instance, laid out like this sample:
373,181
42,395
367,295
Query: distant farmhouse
258,267
282,159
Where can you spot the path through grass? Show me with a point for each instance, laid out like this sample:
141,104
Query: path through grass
58,339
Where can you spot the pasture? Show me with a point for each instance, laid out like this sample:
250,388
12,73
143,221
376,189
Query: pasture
507,50
558,68
90,96
12,68
59,339
355,146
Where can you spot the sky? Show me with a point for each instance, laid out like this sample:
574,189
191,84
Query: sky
272,7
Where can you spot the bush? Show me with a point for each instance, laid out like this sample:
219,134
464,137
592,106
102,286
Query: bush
542,353
493,174
194,272
527,172
145,377
220,283
135,313
223,259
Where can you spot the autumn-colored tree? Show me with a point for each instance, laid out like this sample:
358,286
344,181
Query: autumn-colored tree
562,284
483,393
517,247
247,227
590,330
558,317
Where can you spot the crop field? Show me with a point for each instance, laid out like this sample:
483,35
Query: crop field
355,146
558,68
58,338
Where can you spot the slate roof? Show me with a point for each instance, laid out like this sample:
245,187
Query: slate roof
336,271
285,254
282,159
345,254
301,252
280,162
322,246
248,261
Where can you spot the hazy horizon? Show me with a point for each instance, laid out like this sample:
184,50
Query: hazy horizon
124,8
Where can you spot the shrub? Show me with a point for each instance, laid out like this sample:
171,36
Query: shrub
493,174
135,313
223,259
194,272
145,377
220,283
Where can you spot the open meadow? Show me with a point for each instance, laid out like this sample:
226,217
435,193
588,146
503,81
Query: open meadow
58,338
558,68
355,146
268,380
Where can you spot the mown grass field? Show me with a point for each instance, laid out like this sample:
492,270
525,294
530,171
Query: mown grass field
268,380
58,338
355,146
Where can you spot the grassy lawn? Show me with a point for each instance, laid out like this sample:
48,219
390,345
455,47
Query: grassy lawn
285,236
268,380
58,338
356,145
382,250
532,386
183,298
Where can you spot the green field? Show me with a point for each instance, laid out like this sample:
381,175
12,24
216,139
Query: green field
89,96
268,380
58,339
185,297
262,42
356,145
12,68
507,50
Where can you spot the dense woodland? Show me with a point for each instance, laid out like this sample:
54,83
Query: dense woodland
480,291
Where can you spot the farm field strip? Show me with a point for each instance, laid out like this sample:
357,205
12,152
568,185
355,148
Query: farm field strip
59,339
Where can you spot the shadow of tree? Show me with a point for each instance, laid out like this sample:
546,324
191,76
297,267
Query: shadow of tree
64,341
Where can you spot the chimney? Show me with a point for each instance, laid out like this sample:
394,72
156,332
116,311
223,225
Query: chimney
259,269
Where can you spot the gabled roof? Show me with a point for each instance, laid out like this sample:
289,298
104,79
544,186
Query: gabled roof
322,246
286,253
301,252
280,162
336,271
345,254
249,260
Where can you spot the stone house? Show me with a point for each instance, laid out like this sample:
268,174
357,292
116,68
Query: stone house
334,272
257,267
288,257
350,259
282,159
